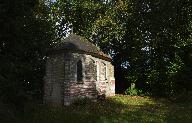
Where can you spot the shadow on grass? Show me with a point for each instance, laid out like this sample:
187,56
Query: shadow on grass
118,109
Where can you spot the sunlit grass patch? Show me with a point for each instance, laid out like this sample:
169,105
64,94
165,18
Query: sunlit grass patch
117,109
133,100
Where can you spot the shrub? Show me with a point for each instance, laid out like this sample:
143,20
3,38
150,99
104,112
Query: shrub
133,91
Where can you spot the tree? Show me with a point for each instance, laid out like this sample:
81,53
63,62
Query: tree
25,35
144,37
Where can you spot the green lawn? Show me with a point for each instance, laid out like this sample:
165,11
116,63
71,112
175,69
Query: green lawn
118,109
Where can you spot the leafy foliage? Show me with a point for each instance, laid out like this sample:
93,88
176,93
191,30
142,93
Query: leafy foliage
25,35
133,91
149,41
144,38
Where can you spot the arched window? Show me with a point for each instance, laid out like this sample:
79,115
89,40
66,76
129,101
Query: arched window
79,71
104,71
90,70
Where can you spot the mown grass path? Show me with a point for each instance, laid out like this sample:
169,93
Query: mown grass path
117,109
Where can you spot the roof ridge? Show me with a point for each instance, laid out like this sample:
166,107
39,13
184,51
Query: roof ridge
77,42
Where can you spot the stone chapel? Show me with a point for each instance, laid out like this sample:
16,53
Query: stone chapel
75,69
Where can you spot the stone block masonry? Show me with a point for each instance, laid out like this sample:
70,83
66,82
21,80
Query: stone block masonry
76,74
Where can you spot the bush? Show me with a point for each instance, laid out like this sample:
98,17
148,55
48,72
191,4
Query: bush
133,91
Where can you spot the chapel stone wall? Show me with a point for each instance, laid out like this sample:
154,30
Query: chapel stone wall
61,86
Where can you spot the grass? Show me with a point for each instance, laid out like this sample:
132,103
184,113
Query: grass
117,109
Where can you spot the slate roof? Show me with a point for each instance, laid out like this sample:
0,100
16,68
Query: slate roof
77,43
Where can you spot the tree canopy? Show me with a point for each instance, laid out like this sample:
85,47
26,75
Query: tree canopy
149,40
25,34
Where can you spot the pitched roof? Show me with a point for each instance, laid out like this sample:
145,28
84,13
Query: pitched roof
77,43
